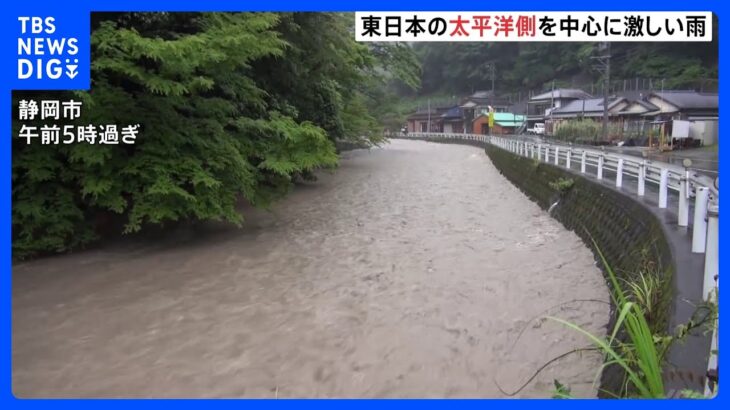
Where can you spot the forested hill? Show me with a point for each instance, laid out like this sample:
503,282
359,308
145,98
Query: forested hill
459,68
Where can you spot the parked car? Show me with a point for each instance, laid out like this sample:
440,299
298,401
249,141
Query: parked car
538,129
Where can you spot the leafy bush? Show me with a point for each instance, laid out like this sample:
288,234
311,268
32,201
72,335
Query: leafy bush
572,130
641,355
562,185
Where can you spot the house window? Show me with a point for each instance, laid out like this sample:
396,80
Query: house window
424,127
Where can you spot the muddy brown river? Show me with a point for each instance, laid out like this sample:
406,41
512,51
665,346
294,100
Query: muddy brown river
414,270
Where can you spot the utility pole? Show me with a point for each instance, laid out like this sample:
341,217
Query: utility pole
603,65
663,125
492,74
552,107
429,116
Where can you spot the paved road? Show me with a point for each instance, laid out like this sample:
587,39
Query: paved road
410,272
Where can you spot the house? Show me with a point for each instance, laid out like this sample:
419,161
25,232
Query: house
452,121
647,117
419,121
591,108
505,123
542,105
699,110
685,105
473,105
636,119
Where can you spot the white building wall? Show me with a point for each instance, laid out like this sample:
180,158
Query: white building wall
704,130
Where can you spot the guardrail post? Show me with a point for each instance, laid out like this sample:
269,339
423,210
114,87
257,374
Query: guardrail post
599,171
557,156
641,182
699,223
583,162
663,181
539,152
567,158
532,150
712,252
683,212
547,154
619,173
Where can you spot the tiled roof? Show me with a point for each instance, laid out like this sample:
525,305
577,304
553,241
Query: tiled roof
562,93
689,99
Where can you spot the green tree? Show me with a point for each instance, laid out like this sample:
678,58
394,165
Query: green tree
209,135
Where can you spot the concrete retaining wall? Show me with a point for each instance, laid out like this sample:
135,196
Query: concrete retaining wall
627,234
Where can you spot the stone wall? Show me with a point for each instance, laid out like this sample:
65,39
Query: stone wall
628,235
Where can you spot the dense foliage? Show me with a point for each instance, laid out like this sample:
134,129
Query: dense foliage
231,105
464,67
570,130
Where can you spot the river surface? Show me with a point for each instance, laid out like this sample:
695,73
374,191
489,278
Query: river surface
414,270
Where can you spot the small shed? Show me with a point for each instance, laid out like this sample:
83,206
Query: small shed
452,121
505,123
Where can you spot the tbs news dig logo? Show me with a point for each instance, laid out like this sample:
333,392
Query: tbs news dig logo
42,53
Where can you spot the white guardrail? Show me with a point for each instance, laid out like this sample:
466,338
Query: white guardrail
688,186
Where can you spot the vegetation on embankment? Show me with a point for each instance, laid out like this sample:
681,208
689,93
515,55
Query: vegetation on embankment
231,106
640,355
628,236
635,346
